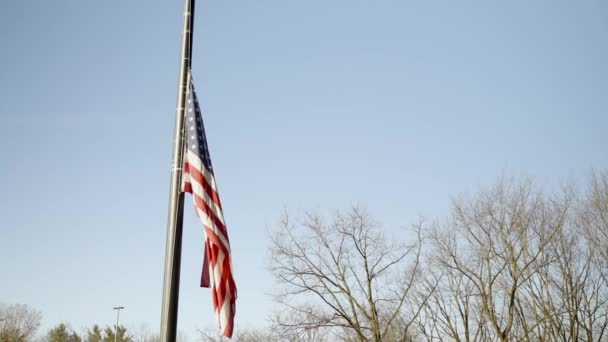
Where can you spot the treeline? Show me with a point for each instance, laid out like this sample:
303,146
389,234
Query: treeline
20,323
512,262
63,333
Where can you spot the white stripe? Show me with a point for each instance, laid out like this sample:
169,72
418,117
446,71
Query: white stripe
225,312
209,223
193,159
198,190
220,310
227,307
217,273
218,268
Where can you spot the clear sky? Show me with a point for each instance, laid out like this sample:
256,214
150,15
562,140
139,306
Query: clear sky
395,105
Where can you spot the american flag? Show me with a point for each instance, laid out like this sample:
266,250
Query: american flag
198,180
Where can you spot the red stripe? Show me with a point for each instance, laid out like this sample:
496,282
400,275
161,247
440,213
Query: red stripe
219,286
214,299
215,246
226,272
223,285
197,175
200,204
229,324
212,236
187,184
188,187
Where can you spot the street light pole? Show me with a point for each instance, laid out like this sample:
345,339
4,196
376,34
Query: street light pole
117,308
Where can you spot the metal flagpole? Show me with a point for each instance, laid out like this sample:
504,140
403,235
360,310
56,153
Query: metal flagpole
173,250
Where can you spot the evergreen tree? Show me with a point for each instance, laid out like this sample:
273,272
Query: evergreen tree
61,333
122,334
94,334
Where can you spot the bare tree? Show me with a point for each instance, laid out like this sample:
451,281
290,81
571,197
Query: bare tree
256,335
452,312
514,263
579,301
143,333
592,223
345,278
206,335
485,256
18,322
593,218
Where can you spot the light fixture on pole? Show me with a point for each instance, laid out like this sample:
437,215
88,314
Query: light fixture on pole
117,308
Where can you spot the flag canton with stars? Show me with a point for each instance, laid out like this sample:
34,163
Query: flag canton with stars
196,141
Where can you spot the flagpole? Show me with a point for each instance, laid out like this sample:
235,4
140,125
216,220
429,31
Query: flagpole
173,249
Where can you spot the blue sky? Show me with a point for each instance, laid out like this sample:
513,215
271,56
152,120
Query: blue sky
394,105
